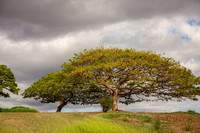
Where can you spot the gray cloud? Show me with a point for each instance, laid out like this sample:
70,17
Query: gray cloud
23,19
28,19
30,60
144,8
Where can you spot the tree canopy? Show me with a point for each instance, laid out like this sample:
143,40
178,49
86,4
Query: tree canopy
132,76
7,82
58,86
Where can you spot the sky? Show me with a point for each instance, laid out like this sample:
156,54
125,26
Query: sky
38,36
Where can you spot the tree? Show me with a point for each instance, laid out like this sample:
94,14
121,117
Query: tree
7,82
58,86
133,76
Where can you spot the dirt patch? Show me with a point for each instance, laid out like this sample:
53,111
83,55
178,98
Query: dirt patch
177,122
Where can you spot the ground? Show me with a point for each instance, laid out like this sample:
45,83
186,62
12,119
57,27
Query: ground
100,122
178,122
170,122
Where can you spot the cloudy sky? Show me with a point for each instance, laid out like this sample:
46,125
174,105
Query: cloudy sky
37,36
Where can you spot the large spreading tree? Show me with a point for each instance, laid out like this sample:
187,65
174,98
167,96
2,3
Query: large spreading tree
58,87
7,82
132,76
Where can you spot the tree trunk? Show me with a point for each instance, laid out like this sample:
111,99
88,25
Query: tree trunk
62,104
115,98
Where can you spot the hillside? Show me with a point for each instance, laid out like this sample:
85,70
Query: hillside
99,122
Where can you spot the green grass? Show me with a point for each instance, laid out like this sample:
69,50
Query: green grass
157,126
126,116
126,119
72,123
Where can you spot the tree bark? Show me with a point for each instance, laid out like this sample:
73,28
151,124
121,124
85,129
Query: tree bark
115,98
62,104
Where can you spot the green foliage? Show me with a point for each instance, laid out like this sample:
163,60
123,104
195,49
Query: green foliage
191,112
58,86
51,88
18,109
157,124
7,82
147,119
127,73
106,103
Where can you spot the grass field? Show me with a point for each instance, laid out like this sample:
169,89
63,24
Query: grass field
93,122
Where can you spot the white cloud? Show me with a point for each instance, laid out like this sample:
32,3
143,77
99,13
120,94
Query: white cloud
193,65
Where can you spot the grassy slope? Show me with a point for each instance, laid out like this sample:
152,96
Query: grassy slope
99,122
72,122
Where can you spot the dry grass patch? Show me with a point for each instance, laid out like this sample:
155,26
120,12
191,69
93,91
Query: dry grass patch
177,122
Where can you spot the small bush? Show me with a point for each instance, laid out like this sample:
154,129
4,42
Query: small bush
191,112
157,124
18,109
147,119
189,126
106,103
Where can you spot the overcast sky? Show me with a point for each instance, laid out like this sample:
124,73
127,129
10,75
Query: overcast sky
37,36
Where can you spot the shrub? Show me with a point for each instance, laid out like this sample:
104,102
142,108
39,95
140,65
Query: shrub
191,112
157,124
106,103
18,109
189,126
